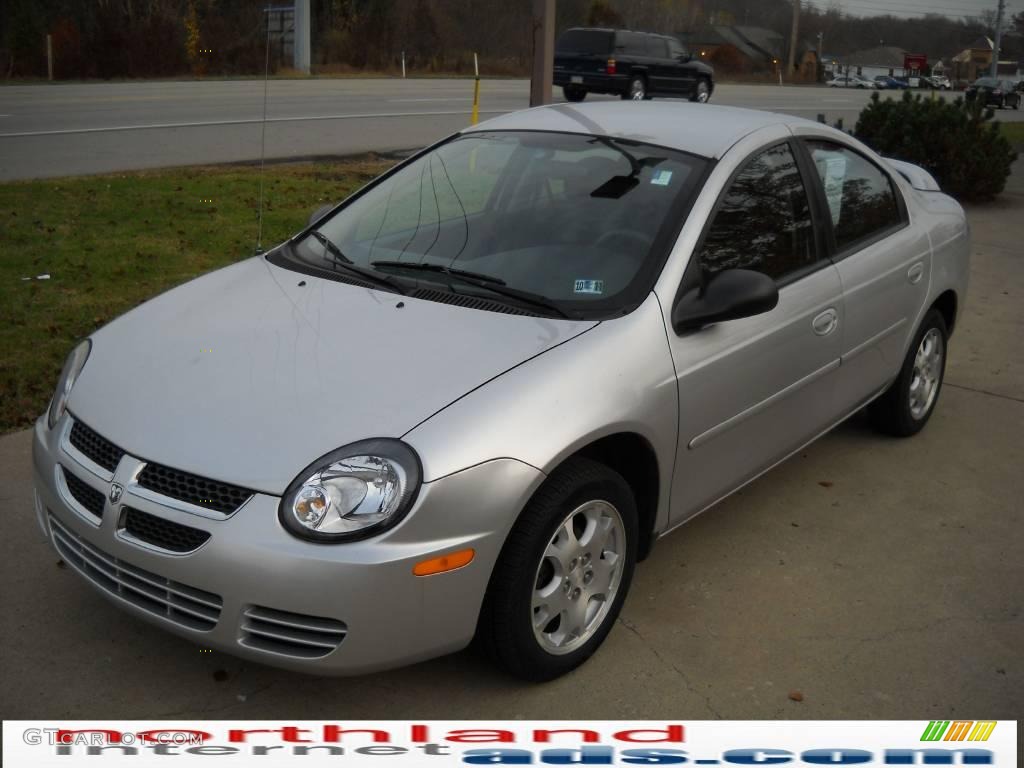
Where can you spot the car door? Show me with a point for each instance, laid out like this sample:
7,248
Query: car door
659,70
883,261
751,391
683,71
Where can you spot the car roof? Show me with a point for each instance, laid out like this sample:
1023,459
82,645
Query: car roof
700,129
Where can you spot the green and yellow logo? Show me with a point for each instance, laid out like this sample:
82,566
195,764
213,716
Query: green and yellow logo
958,730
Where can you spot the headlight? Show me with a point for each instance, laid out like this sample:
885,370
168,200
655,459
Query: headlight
354,492
72,367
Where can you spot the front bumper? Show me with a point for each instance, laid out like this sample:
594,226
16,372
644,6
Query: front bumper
334,608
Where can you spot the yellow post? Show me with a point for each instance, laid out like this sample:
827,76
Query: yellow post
476,93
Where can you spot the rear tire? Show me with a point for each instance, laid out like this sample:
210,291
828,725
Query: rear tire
563,574
907,405
637,90
574,93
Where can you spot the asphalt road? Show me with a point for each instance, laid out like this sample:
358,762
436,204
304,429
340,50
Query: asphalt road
71,129
879,578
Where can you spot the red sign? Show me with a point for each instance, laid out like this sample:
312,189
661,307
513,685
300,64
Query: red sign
915,62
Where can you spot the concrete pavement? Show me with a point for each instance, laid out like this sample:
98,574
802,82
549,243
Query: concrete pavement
72,129
880,578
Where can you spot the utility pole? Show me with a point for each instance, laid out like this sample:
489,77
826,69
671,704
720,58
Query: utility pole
794,31
300,45
543,19
999,34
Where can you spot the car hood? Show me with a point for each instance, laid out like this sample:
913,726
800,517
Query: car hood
249,374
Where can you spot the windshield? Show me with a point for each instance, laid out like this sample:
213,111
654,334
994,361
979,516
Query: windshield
986,82
572,219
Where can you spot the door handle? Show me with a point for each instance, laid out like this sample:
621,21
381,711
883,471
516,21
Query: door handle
826,322
915,273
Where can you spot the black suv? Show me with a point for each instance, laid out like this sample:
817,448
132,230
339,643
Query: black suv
634,65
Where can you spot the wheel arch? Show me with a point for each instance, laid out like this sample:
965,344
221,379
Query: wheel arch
946,303
632,456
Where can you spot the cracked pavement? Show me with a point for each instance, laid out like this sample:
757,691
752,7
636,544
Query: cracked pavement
869,577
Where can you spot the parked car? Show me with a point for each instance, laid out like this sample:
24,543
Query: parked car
890,83
938,82
851,81
634,65
993,92
589,327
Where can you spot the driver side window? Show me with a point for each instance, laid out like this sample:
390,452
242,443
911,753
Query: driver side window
763,221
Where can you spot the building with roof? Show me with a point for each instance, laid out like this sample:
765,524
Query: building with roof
870,63
742,49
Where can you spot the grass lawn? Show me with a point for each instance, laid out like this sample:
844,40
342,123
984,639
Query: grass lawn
1015,133
111,242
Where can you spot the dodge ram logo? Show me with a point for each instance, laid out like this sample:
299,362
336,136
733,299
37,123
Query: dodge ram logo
116,489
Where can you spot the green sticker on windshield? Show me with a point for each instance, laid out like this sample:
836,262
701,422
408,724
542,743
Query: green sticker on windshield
589,286
661,178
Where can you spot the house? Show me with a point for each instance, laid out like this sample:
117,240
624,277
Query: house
976,61
883,60
741,49
972,62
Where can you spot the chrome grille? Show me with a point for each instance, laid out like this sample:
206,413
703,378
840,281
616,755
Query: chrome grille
96,447
161,532
193,489
290,634
84,494
175,602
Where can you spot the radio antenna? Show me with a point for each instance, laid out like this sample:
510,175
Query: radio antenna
263,134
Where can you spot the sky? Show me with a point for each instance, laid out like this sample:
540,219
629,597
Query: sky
912,8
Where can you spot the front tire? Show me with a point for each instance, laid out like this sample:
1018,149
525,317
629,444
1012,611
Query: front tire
637,90
574,93
563,574
702,92
907,405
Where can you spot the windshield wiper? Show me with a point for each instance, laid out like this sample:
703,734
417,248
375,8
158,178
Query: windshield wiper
339,258
440,268
487,282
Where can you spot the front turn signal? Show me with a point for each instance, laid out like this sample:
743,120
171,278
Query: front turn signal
444,563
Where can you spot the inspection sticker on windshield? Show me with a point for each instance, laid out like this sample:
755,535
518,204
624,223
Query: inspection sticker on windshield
661,178
589,286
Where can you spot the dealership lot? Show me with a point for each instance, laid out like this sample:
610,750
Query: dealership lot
71,129
864,578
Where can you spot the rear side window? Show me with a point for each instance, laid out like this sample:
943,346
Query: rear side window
657,47
631,43
860,196
763,221
585,41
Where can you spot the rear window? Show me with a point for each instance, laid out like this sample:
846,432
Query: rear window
584,41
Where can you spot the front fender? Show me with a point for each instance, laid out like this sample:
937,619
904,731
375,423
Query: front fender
615,378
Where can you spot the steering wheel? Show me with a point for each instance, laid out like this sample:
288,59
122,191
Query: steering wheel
630,234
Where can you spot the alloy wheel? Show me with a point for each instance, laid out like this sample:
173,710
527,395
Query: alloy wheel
578,577
927,374
637,90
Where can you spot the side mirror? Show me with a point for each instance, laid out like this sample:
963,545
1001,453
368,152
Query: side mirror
727,295
685,57
319,213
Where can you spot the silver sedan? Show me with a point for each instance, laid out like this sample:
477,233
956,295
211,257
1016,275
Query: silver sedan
467,400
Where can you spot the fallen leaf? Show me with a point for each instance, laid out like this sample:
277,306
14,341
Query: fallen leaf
796,696
825,483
